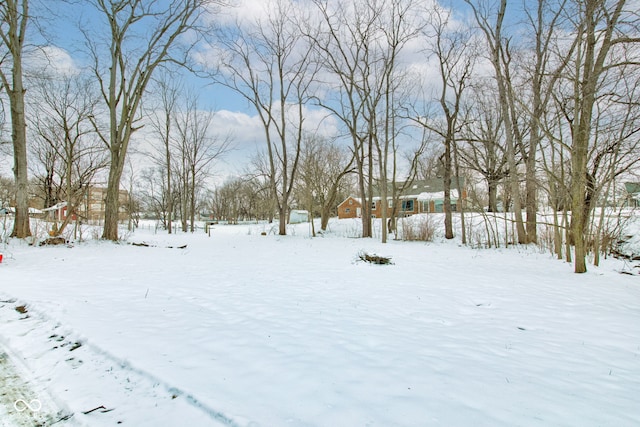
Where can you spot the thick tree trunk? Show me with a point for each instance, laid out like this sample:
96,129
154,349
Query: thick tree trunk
366,207
460,203
492,185
531,192
112,198
448,219
282,217
21,227
324,217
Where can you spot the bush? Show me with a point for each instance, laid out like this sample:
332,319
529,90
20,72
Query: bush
418,228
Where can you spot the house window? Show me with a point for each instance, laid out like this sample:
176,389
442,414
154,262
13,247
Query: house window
347,210
407,205
390,203
425,206
350,201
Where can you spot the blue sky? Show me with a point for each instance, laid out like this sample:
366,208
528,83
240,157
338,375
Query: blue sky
66,49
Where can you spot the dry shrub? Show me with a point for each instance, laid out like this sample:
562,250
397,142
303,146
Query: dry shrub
418,228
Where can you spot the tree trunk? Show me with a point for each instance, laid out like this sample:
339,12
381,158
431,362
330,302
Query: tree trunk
192,197
167,154
366,207
324,217
21,228
492,185
531,191
459,203
448,220
596,50
111,202
112,197
282,217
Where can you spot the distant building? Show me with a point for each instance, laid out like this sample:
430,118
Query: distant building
91,207
422,196
297,216
632,194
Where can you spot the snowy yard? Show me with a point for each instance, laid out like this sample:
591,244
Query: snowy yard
240,329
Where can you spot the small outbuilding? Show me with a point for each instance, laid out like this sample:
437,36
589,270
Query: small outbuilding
297,216
632,194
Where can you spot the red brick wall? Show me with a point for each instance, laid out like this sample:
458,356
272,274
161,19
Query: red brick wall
349,208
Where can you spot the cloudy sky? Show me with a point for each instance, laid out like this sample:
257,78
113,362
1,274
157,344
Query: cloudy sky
62,50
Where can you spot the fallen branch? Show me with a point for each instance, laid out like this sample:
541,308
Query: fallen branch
146,245
95,409
374,259
100,408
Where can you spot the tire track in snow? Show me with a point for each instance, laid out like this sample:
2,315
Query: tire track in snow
20,404
175,391
38,332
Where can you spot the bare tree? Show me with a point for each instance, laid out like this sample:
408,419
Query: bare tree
6,191
196,148
399,28
602,29
260,177
161,117
227,202
132,205
14,16
44,164
153,193
343,51
359,47
269,65
323,168
453,51
483,149
541,73
429,162
500,55
142,35
65,140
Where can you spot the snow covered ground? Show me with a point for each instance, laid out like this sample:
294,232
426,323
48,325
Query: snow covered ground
240,329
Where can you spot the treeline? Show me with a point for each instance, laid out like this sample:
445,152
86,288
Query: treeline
538,100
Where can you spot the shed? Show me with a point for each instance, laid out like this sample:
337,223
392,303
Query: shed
297,216
632,194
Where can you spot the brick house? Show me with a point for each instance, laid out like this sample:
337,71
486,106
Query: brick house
423,196
92,206
350,208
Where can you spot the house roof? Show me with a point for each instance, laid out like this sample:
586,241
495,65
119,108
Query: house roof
55,207
423,187
632,187
357,199
437,195
423,190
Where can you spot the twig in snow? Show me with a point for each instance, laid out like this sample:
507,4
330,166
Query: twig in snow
94,409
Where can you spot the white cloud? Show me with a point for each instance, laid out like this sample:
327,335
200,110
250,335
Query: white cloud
51,60
248,134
